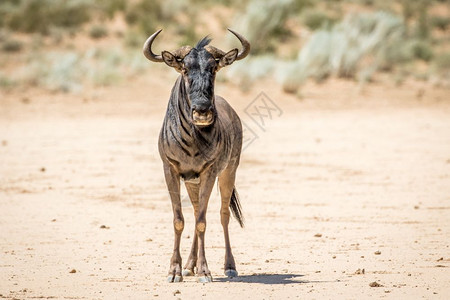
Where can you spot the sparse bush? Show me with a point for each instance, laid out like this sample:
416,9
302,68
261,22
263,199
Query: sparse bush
6,81
65,73
368,2
146,15
441,70
136,64
393,54
134,39
423,28
188,34
360,43
71,72
421,50
441,63
263,22
111,7
255,68
416,11
41,15
440,22
57,35
11,45
3,35
315,19
98,31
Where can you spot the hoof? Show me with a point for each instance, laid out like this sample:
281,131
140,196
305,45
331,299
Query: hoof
205,279
231,273
176,278
187,272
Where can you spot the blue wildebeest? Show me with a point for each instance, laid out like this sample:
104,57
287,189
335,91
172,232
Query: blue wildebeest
200,140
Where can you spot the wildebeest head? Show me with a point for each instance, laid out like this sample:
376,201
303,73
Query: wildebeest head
198,66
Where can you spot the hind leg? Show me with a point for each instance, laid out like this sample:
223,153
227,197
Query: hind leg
226,186
193,190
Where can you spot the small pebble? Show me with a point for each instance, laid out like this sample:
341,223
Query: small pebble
360,271
375,284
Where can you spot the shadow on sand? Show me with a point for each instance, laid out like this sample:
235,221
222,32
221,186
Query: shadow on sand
265,279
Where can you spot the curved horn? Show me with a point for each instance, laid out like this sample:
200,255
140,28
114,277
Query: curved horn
148,48
245,45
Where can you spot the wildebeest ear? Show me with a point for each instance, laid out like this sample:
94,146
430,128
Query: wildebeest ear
228,58
171,60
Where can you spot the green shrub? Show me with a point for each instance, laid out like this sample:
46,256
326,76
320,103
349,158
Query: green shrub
98,31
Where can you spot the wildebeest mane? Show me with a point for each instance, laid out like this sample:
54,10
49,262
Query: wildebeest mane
202,43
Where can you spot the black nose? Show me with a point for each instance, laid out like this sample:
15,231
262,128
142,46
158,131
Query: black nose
201,108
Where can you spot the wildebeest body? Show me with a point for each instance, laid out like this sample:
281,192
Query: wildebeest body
200,140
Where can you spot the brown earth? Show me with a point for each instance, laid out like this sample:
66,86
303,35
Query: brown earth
346,195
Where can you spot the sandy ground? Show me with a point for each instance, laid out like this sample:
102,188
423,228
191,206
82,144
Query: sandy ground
341,189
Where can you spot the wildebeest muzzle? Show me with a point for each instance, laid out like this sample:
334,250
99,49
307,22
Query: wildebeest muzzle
202,115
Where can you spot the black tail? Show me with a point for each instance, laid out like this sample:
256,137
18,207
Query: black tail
236,208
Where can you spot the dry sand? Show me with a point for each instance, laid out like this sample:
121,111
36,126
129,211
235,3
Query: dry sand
343,189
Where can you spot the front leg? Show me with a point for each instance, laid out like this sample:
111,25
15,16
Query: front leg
189,268
206,184
173,185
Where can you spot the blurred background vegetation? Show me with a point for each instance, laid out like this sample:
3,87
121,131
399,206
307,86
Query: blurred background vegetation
67,45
